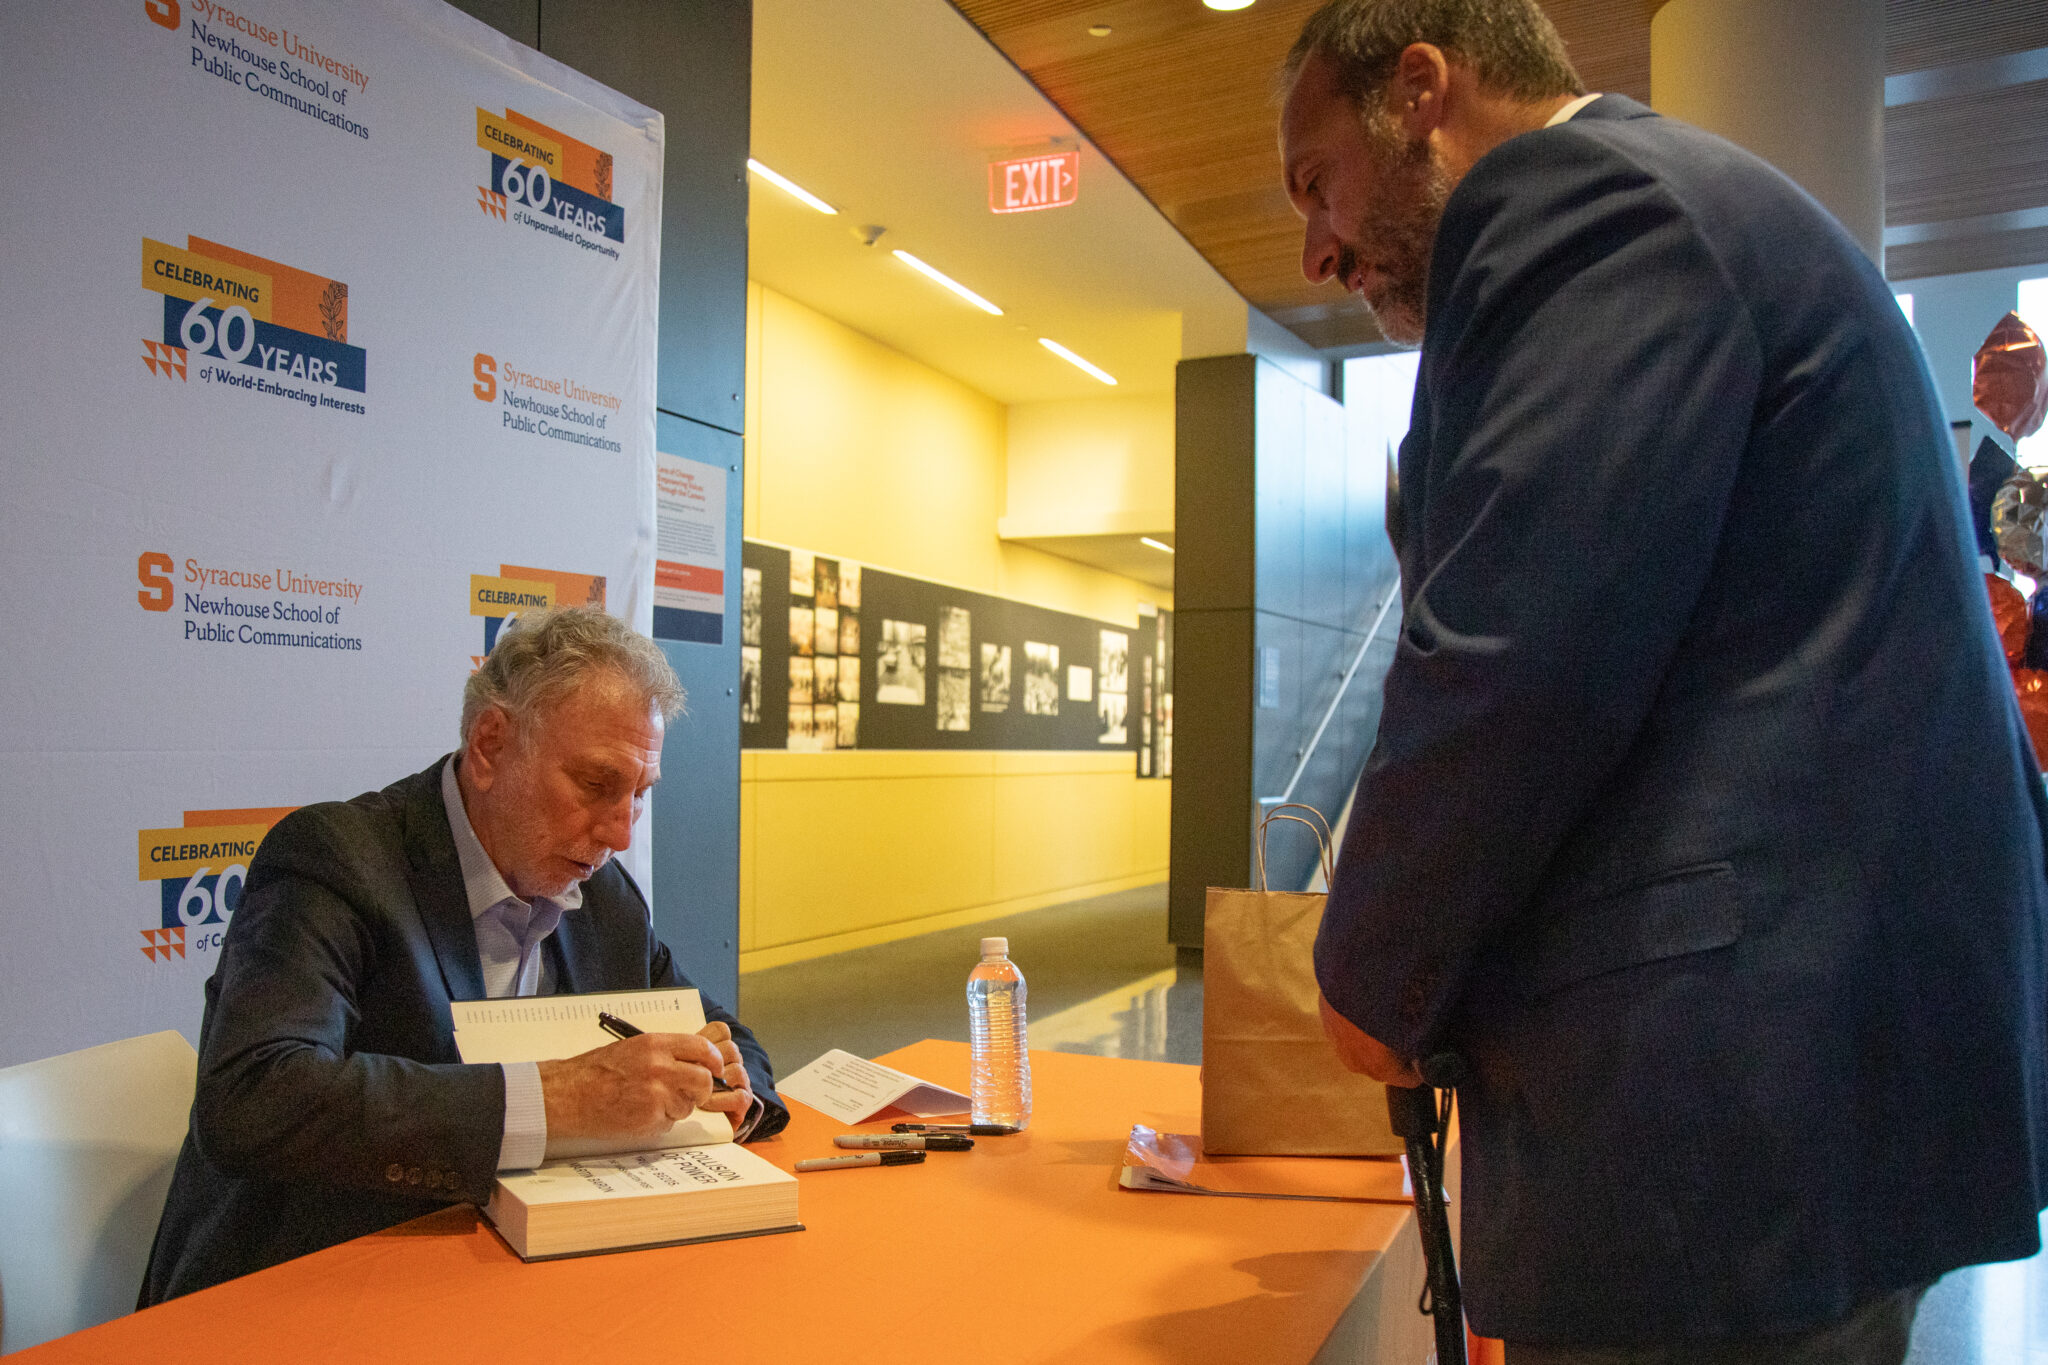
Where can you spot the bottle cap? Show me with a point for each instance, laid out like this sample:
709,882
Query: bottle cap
995,947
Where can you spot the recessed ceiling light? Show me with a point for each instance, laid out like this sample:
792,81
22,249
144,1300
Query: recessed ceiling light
940,277
789,187
1099,30
1064,354
1228,4
1155,544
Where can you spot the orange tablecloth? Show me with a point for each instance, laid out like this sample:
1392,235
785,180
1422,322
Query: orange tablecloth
1022,1250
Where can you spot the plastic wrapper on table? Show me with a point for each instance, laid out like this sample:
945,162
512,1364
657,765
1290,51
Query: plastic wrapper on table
2031,684
2011,613
2017,514
2011,384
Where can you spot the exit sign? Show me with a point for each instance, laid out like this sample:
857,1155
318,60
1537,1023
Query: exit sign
1034,182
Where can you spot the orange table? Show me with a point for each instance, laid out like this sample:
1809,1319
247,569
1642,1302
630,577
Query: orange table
1022,1250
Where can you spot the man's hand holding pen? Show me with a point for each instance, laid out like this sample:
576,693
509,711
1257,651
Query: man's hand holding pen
645,1082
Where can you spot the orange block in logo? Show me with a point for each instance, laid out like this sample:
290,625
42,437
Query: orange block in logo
302,301
159,944
490,201
163,360
583,165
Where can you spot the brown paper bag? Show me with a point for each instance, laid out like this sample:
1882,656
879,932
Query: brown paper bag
1271,1083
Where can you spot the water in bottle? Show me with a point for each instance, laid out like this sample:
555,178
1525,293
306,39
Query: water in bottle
995,1028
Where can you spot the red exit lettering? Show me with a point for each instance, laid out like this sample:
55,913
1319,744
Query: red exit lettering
1034,182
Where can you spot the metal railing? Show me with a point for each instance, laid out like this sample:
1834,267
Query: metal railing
1308,753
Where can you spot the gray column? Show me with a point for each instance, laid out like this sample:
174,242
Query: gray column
1281,563
1798,82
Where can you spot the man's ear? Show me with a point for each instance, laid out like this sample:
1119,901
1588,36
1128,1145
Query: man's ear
1420,89
489,739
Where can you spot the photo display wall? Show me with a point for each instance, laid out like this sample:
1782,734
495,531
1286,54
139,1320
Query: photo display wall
840,655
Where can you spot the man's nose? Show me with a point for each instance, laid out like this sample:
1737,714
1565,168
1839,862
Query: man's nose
1319,253
614,827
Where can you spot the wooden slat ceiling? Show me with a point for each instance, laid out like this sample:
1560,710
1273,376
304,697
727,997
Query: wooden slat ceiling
1181,98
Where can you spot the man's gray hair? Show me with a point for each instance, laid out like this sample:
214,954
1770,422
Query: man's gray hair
542,656
1509,44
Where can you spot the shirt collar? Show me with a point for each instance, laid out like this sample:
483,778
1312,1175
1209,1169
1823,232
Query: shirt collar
1564,115
483,884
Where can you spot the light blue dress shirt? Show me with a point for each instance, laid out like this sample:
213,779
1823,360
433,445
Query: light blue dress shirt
509,935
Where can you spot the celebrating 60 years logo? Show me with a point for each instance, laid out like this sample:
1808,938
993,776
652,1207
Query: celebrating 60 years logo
501,596
276,329
201,867
546,180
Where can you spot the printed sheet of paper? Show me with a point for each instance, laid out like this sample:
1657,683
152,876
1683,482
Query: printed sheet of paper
853,1090
545,1028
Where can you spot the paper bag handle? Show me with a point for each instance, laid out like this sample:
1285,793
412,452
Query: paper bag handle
1320,826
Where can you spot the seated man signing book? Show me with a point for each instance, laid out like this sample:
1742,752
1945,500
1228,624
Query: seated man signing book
332,1101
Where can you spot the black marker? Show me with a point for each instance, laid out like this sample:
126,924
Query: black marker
620,1029
905,1142
978,1129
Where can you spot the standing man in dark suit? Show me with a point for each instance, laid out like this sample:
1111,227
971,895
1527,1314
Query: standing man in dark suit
332,1101
1700,821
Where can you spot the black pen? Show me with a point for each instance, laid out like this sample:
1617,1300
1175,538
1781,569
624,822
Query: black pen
620,1029
977,1129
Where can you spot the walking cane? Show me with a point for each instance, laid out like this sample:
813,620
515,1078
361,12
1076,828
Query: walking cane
1421,1116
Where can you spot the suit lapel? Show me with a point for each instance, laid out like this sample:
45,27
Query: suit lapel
435,875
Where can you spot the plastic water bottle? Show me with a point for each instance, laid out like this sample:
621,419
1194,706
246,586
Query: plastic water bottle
995,1028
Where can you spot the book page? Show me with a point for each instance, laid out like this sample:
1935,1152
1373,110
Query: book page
544,1028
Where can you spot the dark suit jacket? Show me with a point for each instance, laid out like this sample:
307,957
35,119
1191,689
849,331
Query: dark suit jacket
1701,818
331,1099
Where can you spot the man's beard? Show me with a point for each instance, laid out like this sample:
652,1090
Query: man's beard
1400,226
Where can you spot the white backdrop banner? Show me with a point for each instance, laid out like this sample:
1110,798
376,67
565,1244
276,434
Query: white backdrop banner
334,349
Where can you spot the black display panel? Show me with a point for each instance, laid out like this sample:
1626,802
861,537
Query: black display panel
838,655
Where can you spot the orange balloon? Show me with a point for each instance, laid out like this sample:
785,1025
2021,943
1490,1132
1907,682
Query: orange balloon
2009,612
2032,686
2011,378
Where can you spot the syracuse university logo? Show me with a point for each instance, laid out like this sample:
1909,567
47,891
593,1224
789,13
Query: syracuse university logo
273,329
548,181
500,597
200,867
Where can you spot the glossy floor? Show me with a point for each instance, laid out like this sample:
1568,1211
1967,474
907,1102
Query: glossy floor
1102,980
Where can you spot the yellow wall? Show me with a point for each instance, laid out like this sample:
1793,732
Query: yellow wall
856,451
1091,466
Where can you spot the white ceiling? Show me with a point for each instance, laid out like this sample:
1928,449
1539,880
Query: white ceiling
891,110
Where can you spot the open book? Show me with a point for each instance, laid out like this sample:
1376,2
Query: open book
692,1183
